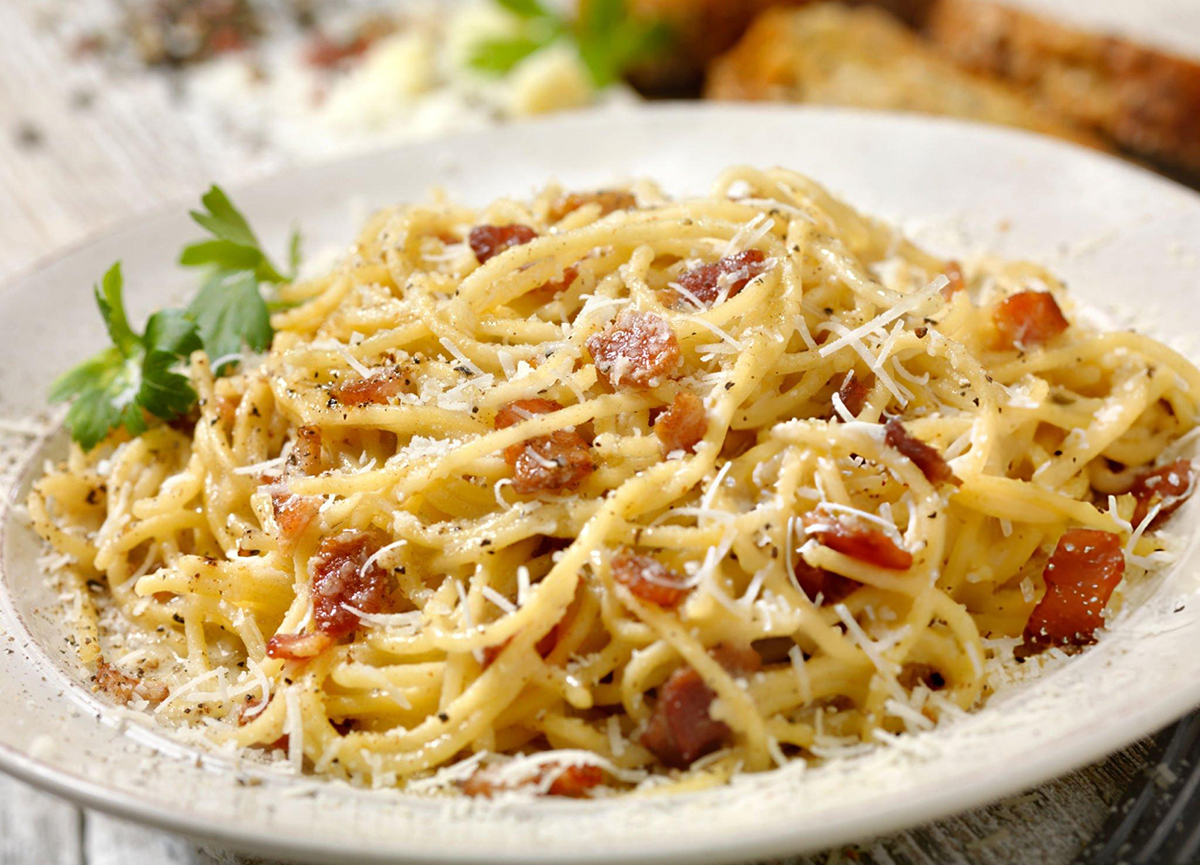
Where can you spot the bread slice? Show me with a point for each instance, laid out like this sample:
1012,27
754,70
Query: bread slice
829,54
1147,101
702,30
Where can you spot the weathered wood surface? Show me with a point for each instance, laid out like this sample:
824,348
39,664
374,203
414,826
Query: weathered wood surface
79,152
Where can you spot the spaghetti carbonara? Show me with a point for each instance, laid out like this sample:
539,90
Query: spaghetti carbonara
604,491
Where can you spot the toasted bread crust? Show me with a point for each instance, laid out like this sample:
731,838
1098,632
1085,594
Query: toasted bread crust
1147,101
834,55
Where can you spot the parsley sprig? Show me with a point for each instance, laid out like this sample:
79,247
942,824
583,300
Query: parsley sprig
609,41
134,376
230,309
142,375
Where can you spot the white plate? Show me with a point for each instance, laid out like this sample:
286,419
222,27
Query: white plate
1121,236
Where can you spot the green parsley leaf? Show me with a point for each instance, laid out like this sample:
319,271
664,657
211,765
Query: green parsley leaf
231,312
526,8
230,309
609,40
135,375
499,56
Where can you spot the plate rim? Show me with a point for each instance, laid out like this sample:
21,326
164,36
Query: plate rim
765,841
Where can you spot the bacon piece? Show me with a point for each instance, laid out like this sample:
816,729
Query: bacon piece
523,409
305,456
957,283
293,514
680,729
817,582
555,287
705,282
544,646
853,394
575,780
298,647
1027,319
323,52
648,578
375,389
559,461
341,579
638,349
853,539
681,426
556,462
738,659
926,458
487,241
113,682
1080,577
608,199
227,407
1168,486
123,687
248,713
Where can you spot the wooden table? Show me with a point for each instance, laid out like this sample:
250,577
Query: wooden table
80,151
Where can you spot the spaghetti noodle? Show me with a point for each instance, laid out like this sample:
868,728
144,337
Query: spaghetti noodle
604,490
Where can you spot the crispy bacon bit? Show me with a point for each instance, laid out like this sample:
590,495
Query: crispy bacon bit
123,687
926,458
681,426
305,456
341,579
1027,319
298,647
1168,487
488,241
480,785
250,711
817,582
293,514
559,461
957,283
680,729
324,52
853,394
638,349
608,199
523,409
556,462
544,647
734,271
375,389
489,654
227,407
1080,577
648,578
557,286
738,659
851,538
573,781
113,682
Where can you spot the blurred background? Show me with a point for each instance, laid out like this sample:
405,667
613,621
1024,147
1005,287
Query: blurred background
111,107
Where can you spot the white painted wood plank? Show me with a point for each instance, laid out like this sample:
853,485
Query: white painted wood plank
107,841
37,828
